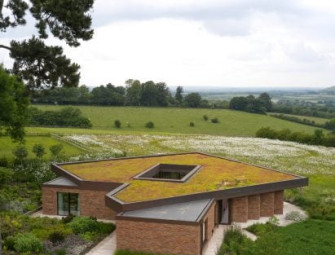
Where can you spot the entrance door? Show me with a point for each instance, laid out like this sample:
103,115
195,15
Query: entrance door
223,212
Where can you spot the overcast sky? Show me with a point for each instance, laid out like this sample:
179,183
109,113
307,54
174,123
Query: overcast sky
225,43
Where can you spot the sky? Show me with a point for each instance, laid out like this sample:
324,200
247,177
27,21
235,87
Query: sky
216,43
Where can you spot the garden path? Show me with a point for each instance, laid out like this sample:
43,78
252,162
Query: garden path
105,247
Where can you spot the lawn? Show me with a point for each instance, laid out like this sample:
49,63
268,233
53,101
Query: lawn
303,238
177,120
7,146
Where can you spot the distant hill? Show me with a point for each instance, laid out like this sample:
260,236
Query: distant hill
330,89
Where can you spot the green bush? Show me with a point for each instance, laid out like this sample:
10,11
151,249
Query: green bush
117,123
149,124
68,219
81,225
4,162
260,229
215,120
9,243
5,175
58,235
294,216
234,243
191,124
27,243
205,117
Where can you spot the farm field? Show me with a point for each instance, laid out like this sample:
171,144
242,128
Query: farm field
177,120
7,146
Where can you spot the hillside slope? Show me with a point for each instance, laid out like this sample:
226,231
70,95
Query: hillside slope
177,120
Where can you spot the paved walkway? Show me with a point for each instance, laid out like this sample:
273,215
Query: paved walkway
105,247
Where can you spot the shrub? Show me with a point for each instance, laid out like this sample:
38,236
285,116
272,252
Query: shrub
68,219
9,243
205,117
58,235
56,149
191,124
20,152
215,120
39,150
60,252
81,225
27,243
261,229
149,124
117,123
234,242
5,175
4,162
294,216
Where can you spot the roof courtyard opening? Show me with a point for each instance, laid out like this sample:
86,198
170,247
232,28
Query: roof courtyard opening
168,172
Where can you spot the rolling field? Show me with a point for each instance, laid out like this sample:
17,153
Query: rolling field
175,120
7,146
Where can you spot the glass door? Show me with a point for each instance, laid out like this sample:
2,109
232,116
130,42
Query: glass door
68,203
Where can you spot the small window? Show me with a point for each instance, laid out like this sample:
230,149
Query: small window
168,172
68,204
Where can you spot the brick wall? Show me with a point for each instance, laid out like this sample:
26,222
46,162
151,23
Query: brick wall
267,204
210,217
279,202
158,237
92,203
254,207
239,209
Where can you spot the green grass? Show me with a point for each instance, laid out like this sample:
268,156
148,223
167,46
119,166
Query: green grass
303,238
176,120
7,146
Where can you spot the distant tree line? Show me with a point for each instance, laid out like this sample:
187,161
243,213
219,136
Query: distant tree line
318,138
134,93
297,107
261,104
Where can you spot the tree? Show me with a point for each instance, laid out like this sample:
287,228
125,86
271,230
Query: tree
20,152
192,100
56,150
133,92
265,101
330,125
14,103
39,150
36,63
179,96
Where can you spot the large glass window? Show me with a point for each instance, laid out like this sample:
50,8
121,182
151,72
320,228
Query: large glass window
68,203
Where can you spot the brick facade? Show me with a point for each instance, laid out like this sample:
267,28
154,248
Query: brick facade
239,209
279,202
158,237
210,218
254,207
92,203
267,204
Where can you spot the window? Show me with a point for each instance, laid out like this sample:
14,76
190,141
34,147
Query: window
68,203
168,172
204,231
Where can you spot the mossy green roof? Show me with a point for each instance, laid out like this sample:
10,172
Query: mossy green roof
215,174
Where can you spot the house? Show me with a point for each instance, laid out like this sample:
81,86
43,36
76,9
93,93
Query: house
167,203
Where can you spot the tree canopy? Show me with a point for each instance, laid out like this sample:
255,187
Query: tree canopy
14,101
36,63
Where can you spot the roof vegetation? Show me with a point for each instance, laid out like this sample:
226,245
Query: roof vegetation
215,174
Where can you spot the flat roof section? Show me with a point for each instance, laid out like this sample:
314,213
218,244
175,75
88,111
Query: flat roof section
189,211
61,181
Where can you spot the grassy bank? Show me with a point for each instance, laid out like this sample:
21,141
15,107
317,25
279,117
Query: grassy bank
177,120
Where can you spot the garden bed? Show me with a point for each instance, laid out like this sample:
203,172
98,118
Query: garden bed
71,235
